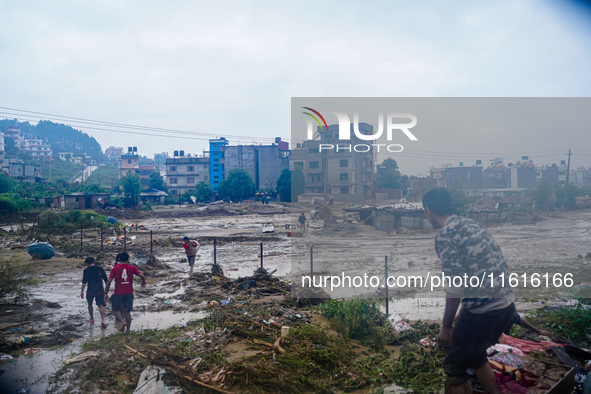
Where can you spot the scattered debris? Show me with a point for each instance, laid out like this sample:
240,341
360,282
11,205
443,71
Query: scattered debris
80,357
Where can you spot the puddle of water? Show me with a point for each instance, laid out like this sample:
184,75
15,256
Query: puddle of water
33,372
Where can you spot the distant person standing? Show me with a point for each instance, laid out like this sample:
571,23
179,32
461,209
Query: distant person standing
93,276
191,248
302,222
123,274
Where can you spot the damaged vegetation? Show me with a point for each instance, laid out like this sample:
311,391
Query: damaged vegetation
256,339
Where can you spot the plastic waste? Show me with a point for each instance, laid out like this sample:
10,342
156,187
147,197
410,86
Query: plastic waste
41,250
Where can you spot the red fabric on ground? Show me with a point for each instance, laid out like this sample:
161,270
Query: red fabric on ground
527,346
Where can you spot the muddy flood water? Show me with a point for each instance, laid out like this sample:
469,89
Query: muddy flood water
553,244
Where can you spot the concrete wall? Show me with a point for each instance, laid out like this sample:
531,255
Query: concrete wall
240,156
271,162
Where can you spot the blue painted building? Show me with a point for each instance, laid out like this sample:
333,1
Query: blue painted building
216,166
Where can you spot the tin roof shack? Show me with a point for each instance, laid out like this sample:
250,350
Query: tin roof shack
389,217
80,200
24,173
153,196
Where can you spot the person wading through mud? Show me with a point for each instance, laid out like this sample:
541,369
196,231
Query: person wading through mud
302,222
466,248
123,295
191,248
93,276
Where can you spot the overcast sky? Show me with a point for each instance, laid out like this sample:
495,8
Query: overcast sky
230,68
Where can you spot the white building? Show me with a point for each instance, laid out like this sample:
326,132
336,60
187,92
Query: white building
37,149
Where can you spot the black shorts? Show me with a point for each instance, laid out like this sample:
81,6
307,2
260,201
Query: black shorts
122,299
98,299
472,335
191,260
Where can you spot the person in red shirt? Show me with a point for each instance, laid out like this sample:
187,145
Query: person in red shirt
191,248
123,295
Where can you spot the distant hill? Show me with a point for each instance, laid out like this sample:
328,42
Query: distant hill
62,138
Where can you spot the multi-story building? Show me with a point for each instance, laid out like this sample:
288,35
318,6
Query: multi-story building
497,177
419,186
581,177
13,132
129,163
523,175
24,173
469,177
113,154
37,149
183,173
264,163
216,165
345,175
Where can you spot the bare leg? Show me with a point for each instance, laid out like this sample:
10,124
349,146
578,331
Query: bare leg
90,312
127,319
119,316
191,271
102,311
487,379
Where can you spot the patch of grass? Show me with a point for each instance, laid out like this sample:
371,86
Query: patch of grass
105,176
69,221
572,323
358,318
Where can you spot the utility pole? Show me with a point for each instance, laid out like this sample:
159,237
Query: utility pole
568,167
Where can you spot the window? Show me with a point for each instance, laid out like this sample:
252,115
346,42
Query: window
344,177
173,168
128,161
314,164
314,177
313,150
190,180
173,181
216,177
190,168
344,190
298,164
344,163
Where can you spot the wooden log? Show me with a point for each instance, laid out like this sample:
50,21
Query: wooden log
207,385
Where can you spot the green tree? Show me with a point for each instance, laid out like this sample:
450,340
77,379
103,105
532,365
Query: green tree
459,199
131,188
93,188
543,196
203,192
156,181
388,176
284,185
298,183
290,184
567,197
237,186
7,184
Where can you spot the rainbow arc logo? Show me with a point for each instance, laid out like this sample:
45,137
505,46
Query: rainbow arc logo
315,118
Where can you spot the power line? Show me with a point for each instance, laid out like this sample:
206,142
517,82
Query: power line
83,123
